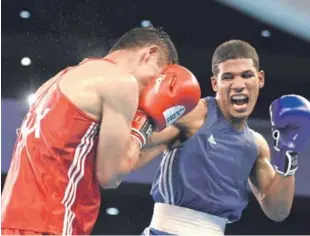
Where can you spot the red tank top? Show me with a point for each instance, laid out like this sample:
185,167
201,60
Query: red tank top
51,185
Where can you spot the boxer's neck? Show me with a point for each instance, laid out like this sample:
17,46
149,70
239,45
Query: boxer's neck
126,59
129,61
238,124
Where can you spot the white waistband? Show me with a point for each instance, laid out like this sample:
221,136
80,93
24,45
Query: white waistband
183,221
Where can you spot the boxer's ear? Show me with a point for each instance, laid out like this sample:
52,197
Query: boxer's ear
261,78
149,53
153,49
214,83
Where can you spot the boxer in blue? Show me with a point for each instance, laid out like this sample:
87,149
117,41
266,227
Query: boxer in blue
210,155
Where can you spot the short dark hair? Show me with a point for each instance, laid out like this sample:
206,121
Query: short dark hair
233,49
143,36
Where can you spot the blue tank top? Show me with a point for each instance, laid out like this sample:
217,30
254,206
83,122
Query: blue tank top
210,170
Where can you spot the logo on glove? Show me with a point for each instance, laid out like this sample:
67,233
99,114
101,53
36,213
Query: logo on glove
158,82
173,113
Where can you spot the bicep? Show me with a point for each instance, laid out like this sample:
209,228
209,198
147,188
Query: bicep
262,172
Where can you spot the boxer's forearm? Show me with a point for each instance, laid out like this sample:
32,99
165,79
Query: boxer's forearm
112,177
157,144
277,202
148,154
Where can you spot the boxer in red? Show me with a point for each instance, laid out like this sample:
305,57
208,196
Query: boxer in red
82,132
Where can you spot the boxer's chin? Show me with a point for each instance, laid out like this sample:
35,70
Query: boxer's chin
240,112
240,108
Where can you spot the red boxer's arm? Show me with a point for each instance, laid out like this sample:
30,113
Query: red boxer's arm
117,150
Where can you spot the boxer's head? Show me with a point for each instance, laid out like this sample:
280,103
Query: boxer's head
236,78
146,51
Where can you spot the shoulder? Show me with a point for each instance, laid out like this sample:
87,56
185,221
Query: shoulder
115,87
262,144
121,93
118,83
259,139
105,72
194,119
109,79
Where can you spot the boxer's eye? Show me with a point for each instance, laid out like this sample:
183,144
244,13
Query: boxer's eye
247,74
227,76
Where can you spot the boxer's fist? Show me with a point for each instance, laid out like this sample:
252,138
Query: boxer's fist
166,99
290,120
142,127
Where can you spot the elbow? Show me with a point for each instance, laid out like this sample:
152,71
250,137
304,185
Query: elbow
110,178
275,209
111,174
107,181
280,215
278,218
103,180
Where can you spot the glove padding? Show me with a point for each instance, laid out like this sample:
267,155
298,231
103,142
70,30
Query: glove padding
290,120
165,100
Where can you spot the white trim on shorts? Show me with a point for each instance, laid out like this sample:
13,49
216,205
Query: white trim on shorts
184,221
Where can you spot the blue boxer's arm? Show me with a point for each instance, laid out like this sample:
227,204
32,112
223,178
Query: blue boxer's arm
173,135
273,191
272,179
156,145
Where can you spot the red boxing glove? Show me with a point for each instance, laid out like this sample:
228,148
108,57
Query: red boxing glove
165,99
142,127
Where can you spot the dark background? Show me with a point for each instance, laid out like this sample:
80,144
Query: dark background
62,33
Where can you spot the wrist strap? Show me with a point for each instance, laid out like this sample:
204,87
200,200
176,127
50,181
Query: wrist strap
291,164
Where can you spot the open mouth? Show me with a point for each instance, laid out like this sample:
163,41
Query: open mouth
239,102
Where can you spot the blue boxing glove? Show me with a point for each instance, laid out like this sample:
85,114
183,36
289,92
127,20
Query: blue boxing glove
290,120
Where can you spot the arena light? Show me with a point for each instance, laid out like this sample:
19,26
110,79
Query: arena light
24,14
264,10
31,99
25,61
112,211
266,33
146,23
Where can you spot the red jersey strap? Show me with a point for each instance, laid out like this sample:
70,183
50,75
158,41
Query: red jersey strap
109,60
104,59
38,99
